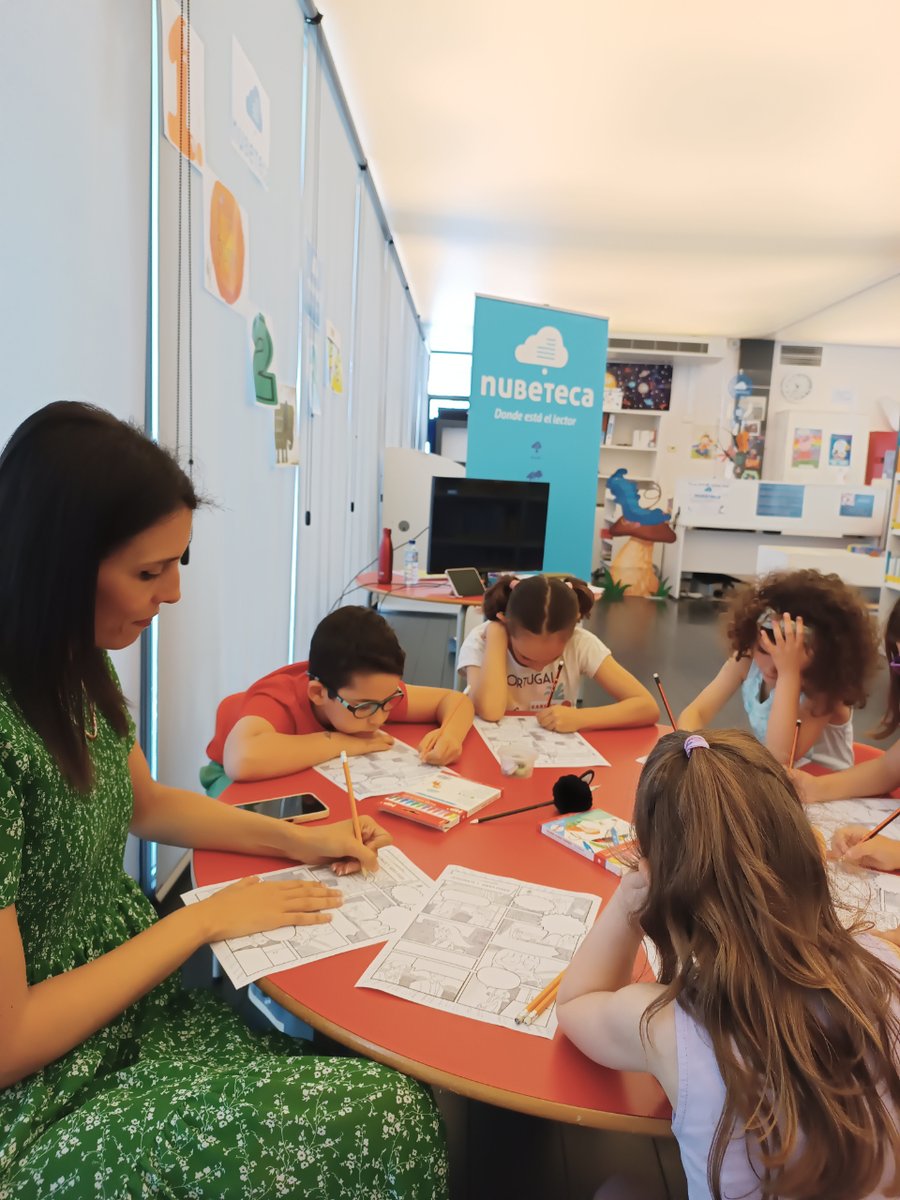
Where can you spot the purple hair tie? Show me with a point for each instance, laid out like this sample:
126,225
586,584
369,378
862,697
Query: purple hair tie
692,742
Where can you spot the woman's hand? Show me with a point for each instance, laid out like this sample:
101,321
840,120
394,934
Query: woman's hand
252,905
336,844
787,646
878,853
440,747
561,718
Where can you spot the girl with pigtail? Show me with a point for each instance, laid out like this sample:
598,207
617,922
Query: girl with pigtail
532,653
773,1030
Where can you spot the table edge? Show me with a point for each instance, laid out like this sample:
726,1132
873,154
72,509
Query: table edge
462,1085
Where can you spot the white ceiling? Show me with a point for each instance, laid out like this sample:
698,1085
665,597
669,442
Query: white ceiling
705,167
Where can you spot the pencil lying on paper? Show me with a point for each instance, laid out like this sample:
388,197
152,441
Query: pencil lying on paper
540,1008
544,994
658,682
794,745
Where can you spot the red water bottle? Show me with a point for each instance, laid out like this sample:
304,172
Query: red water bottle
386,558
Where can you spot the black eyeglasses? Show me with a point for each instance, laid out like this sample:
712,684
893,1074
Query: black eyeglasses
363,708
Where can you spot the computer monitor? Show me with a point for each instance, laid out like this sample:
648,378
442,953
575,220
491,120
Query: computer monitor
489,524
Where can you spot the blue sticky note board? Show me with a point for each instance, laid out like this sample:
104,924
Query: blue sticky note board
780,500
857,504
536,414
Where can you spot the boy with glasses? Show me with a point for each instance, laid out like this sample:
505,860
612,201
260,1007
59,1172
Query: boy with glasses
308,712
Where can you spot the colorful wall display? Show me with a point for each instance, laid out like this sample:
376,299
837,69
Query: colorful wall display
536,414
637,387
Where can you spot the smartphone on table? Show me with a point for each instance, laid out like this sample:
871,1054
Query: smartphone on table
465,582
303,806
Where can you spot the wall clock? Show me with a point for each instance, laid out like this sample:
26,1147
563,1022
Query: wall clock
796,386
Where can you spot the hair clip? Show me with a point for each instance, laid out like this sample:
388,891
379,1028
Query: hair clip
693,741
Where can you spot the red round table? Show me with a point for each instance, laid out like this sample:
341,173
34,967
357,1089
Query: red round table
532,1075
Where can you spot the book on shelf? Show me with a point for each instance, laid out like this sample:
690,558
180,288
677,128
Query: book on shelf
597,835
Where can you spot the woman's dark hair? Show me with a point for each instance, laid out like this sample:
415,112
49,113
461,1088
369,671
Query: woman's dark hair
891,718
844,648
353,641
539,604
801,1017
76,483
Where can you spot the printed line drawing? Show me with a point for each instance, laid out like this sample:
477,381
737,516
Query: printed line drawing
375,908
553,749
856,889
483,946
397,769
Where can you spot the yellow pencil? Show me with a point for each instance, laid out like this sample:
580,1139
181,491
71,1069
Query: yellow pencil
540,1008
536,1000
354,815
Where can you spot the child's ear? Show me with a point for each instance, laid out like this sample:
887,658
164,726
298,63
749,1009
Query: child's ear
317,692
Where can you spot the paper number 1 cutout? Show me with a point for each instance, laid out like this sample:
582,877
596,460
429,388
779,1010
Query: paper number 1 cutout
264,381
179,53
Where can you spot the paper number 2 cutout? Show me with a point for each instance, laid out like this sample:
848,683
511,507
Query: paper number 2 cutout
179,53
264,382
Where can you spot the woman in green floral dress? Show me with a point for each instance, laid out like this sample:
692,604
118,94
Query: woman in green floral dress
114,1082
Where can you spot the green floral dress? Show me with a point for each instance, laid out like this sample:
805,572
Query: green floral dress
176,1097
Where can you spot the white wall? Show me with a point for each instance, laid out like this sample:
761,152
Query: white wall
73,240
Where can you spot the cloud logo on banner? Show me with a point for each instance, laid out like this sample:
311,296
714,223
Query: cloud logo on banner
543,349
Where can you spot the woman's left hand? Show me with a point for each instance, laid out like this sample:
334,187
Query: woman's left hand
336,844
561,718
787,646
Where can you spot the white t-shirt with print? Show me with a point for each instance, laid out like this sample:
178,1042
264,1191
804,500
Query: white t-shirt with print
529,687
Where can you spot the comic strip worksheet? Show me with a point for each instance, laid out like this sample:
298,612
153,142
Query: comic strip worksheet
856,888
397,769
483,946
553,749
375,908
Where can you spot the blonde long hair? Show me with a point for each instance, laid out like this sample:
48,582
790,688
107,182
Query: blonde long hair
799,1014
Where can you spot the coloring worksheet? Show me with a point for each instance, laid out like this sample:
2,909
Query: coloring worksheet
553,749
375,908
397,769
854,888
483,946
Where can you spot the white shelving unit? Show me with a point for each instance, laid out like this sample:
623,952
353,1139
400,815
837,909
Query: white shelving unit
617,451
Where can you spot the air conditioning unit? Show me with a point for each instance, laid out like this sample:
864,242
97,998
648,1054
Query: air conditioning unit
652,347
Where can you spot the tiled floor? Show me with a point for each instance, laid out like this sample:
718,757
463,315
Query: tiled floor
500,1155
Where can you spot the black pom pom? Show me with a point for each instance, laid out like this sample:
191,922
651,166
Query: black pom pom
572,793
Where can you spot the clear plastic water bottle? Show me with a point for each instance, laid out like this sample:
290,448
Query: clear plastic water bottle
411,565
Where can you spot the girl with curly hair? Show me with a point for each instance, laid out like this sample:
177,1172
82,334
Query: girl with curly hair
773,1030
532,653
803,648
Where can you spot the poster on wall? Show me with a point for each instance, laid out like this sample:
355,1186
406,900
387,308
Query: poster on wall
637,387
703,444
806,448
536,413
250,117
840,447
284,419
335,359
310,323
226,246
183,78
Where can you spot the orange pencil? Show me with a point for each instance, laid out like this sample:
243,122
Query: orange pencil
541,1007
878,828
794,745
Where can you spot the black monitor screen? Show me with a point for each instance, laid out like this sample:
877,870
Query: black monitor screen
489,524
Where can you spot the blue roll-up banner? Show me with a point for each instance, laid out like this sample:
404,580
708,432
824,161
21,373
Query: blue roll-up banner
536,414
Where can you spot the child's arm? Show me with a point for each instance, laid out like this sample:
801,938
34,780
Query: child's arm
598,1007
790,654
487,683
254,750
878,853
701,711
877,777
633,705
454,713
